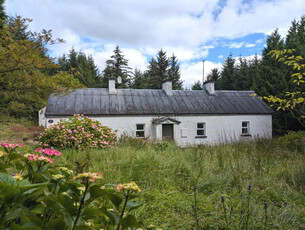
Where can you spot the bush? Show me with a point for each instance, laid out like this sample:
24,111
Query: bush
294,141
78,132
37,192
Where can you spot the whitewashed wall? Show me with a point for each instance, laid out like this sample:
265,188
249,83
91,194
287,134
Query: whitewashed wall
218,128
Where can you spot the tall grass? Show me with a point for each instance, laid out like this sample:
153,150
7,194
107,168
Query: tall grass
207,187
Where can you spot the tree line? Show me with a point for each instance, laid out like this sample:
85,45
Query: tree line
159,69
28,75
266,75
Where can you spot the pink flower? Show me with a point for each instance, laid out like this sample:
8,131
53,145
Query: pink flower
49,152
11,146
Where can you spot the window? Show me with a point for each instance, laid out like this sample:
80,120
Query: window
201,129
245,128
140,132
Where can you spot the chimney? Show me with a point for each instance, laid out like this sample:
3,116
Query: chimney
167,86
111,85
209,86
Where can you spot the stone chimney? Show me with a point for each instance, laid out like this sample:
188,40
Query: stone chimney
167,86
111,85
209,86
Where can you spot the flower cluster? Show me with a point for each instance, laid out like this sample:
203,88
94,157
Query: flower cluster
18,176
92,177
2,154
131,186
49,152
78,132
33,157
58,176
64,169
11,146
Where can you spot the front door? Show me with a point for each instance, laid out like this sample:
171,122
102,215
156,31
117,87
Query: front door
167,131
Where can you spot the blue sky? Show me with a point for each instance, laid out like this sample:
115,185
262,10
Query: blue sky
192,29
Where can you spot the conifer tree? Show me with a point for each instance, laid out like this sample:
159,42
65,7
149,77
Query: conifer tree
158,70
116,67
163,68
174,72
226,81
197,86
214,75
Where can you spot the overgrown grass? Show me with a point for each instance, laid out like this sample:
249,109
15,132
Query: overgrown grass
207,187
15,130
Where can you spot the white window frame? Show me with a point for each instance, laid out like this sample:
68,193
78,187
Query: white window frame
140,130
245,129
204,129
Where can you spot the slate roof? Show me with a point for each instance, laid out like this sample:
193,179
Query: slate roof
98,102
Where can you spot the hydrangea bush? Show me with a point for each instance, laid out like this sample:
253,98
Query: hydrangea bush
36,192
78,132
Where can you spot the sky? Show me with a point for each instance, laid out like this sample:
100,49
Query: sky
194,30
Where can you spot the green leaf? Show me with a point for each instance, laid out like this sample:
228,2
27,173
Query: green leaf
131,205
129,222
6,178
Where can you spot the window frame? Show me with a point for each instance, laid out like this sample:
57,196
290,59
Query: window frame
245,130
200,129
140,130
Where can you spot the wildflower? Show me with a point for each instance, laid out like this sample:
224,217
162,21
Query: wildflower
50,152
92,177
11,146
89,223
64,169
58,176
2,154
131,186
18,176
33,157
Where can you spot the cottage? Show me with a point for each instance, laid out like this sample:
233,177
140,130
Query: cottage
188,117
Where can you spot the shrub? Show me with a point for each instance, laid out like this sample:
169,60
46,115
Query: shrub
294,141
36,192
78,132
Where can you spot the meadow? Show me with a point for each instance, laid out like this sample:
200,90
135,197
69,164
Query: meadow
247,185
257,184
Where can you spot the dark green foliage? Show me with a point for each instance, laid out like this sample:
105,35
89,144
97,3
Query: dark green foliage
161,69
226,81
2,13
197,86
214,75
294,141
174,72
267,76
82,67
116,67
139,80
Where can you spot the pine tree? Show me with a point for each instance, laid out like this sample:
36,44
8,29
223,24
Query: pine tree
116,67
2,13
226,81
174,72
158,70
214,75
138,80
197,86
82,67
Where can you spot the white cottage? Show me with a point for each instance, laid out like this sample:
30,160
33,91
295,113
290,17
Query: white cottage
189,117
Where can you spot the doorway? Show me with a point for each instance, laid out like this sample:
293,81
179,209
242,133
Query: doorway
167,131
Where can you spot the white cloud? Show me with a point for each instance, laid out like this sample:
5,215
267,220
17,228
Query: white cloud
141,28
250,45
237,45
192,72
220,56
